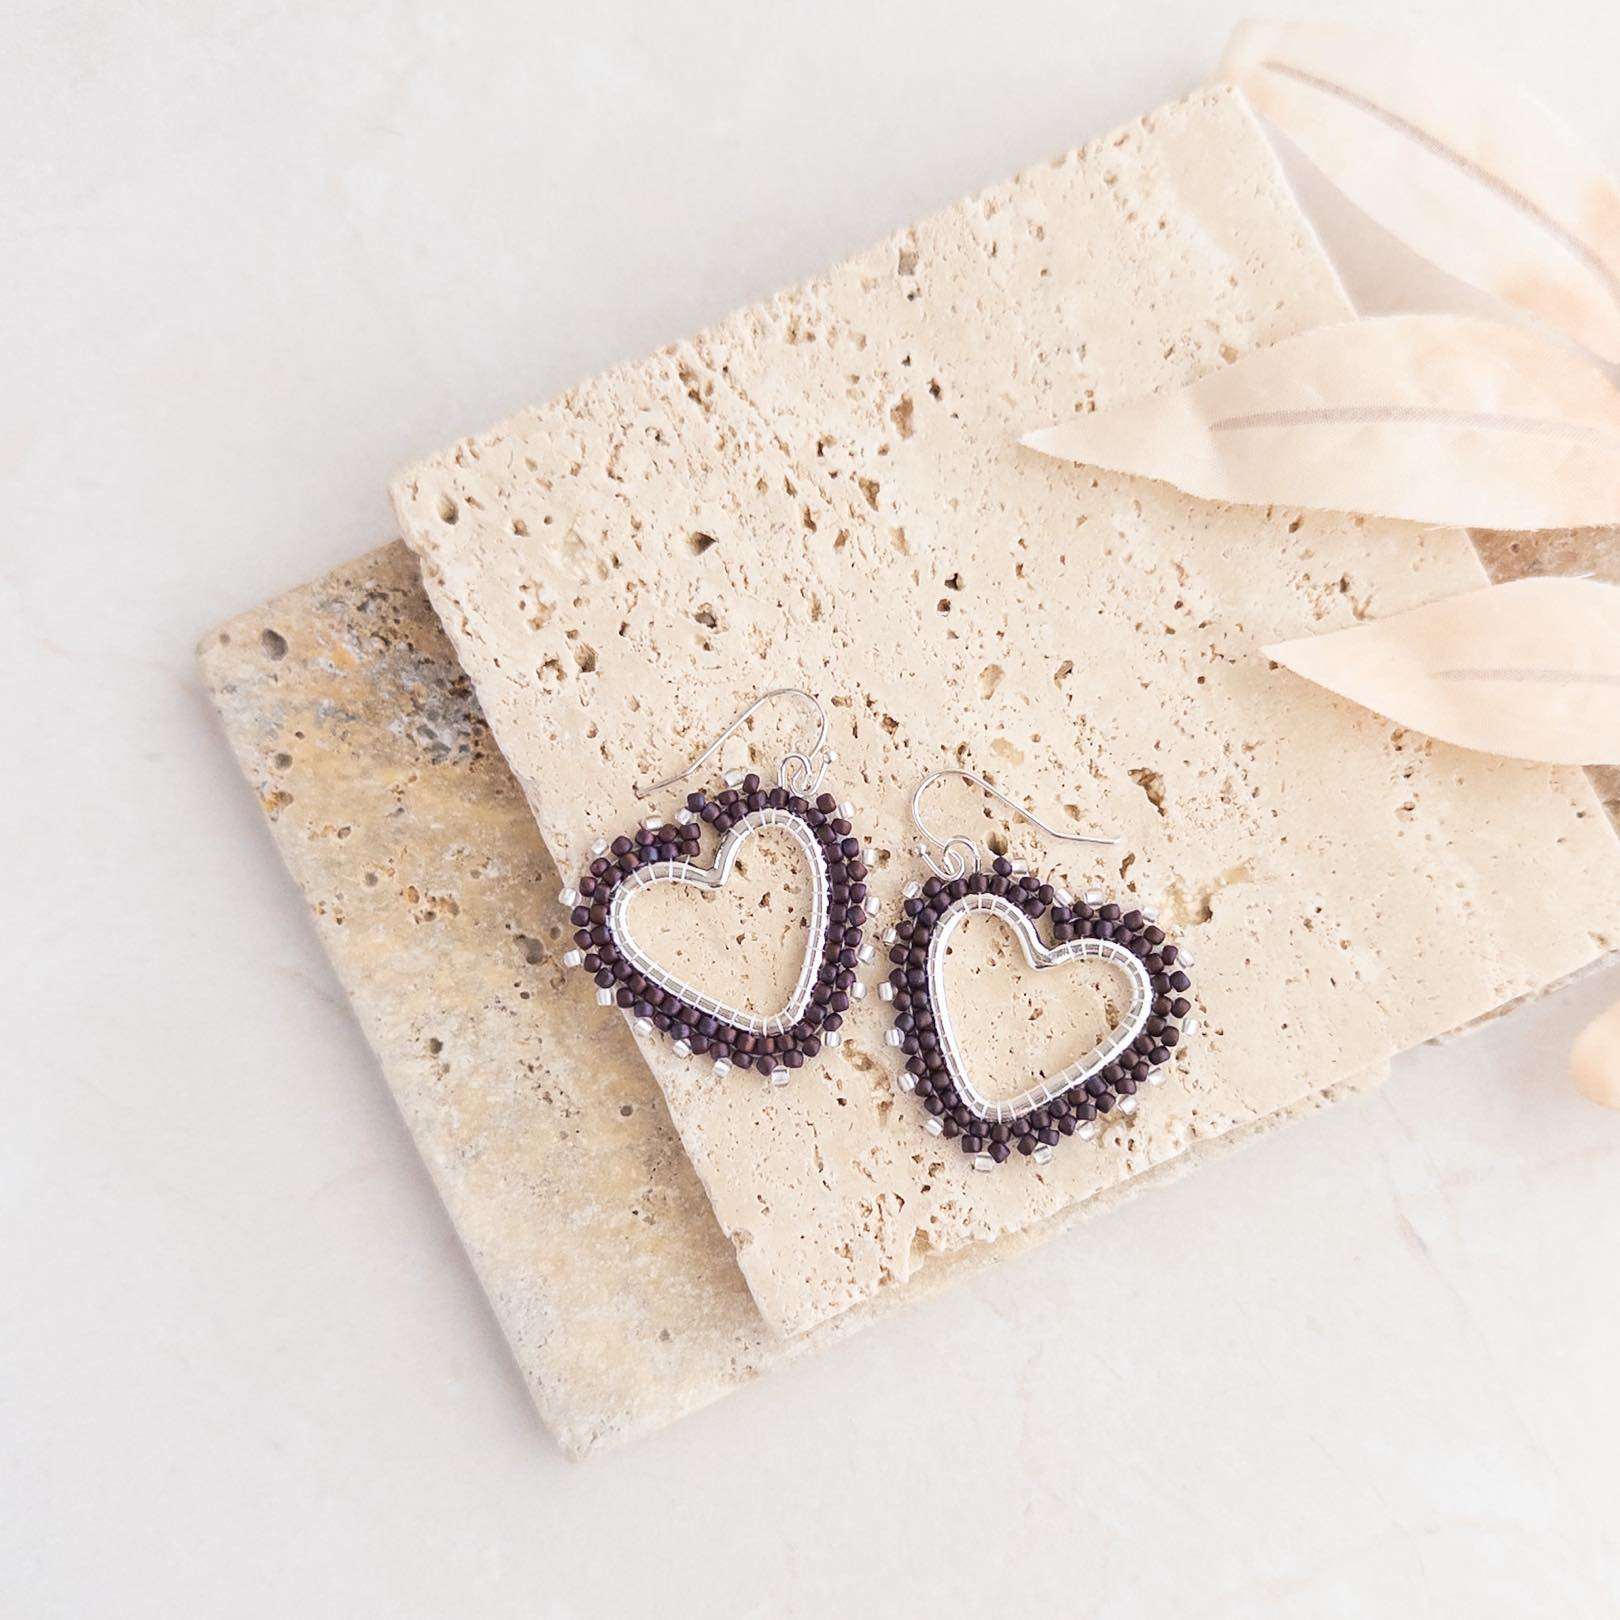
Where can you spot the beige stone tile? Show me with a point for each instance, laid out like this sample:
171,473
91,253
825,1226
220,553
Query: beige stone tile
827,490
534,1113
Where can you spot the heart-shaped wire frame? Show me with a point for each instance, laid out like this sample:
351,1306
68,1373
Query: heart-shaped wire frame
1042,958
714,877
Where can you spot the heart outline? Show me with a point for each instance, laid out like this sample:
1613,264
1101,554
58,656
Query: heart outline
1041,957
714,877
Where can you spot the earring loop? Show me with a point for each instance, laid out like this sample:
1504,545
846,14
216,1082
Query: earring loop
940,1073
959,854
658,996
812,773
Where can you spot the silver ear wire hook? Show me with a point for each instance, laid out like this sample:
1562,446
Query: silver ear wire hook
812,766
959,853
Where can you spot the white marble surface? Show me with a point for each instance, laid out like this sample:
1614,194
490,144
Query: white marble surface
257,255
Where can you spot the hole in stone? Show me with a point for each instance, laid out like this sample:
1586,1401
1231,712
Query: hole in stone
700,542
274,644
449,512
1152,784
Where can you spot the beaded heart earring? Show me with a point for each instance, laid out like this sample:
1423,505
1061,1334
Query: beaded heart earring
1092,928
666,850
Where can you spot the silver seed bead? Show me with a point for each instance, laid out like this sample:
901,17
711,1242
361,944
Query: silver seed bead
1093,897
600,847
604,998
908,1082
722,1065
895,1038
643,1026
865,954
573,958
1042,1154
568,899
984,1163
1087,1131
885,991
857,991
911,891
1190,1027
890,935
833,1037
933,1126
684,817
780,1077
1063,898
735,778
870,905
1156,1077
682,1049
1127,1105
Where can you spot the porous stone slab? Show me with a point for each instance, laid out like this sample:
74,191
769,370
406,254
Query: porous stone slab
827,491
535,1114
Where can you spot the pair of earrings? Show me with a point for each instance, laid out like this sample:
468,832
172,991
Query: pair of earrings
1093,928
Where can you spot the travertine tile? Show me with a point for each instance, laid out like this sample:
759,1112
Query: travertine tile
826,490
534,1112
